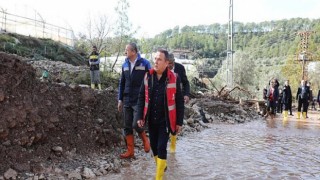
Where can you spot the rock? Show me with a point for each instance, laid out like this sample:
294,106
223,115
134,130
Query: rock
190,121
74,175
57,149
10,174
84,86
88,173
203,124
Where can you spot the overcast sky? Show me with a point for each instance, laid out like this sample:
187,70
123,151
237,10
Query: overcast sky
155,16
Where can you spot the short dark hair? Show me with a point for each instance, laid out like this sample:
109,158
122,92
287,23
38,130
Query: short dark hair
171,57
165,52
133,46
94,47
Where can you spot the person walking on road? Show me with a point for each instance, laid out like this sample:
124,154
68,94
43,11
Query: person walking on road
133,71
181,71
303,95
287,99
94,61
161,106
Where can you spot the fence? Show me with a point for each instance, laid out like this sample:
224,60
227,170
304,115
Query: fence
34,27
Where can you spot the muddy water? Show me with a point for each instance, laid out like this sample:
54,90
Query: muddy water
257,150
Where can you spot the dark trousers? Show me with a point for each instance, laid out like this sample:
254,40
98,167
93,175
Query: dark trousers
130,120
286,106
159,137
279,107
302,103
290,106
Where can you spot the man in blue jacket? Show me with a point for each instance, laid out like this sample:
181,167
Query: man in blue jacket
180,70
133,71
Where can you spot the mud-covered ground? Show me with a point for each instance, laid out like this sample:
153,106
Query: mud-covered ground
45,123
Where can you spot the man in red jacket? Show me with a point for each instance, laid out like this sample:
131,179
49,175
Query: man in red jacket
160,103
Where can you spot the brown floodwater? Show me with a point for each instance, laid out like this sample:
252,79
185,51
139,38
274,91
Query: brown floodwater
261,149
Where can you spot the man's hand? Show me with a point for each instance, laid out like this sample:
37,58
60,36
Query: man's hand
186,99
120,106
178,129
140,123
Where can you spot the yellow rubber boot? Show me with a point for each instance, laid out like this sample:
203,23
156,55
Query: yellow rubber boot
99,86
173,141
92,86
285,114
298,115
161,165
304,115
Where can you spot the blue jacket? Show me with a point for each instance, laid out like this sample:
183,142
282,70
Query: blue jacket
130,83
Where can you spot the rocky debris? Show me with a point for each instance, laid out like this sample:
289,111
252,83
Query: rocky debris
58,70
37,116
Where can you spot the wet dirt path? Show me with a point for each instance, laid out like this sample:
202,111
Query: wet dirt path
262,149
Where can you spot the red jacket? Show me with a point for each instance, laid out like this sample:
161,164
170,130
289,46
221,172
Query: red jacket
174,103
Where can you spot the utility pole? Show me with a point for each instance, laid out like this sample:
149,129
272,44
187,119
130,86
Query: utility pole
230,47
304,56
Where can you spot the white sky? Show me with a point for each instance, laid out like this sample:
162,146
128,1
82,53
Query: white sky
155,16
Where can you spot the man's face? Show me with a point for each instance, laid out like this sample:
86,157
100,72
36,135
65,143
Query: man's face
286,83
129,52
94,49
160,63
170,64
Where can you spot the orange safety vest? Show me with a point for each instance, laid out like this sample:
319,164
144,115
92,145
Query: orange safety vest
171,90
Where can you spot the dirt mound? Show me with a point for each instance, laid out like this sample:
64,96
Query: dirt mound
43,122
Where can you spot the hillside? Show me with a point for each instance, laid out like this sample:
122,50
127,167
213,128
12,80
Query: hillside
39,49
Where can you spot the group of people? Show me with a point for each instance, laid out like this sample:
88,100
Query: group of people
281,99
152,97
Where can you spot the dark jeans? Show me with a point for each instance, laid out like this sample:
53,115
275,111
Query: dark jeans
302,103
130,120
159,137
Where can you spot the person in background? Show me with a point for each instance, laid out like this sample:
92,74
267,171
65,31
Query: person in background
133,71
286,99
94,61
303,95
180,70
264,96
272,97
161,105
289,96
318,98
280,104
310,97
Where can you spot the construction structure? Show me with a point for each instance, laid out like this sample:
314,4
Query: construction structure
304,56
229,78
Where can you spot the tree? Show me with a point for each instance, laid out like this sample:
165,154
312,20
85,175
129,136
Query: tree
123,32
97,31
